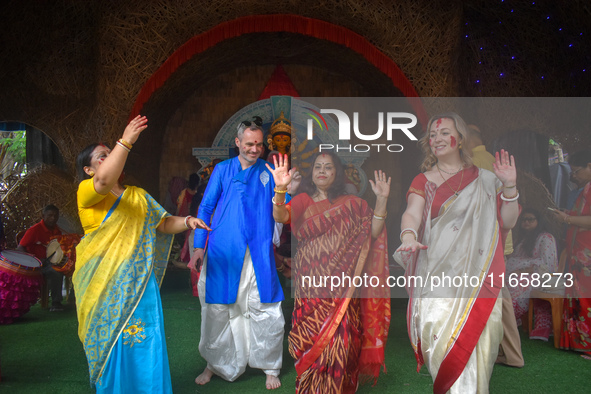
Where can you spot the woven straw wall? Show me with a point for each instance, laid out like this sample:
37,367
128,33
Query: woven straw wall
73,69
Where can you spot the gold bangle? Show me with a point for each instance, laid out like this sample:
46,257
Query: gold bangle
509,187
125,143
381,217
282,266
512,197
408,230
279,191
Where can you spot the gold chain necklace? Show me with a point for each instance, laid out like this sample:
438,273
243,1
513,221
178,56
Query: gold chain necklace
449,173
456,192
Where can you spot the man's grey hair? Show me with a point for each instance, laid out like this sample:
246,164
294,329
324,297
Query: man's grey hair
242,128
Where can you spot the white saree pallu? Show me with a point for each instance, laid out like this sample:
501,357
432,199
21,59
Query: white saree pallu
454,315
475,376
247,332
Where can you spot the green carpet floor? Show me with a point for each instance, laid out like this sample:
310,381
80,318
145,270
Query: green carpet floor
41,353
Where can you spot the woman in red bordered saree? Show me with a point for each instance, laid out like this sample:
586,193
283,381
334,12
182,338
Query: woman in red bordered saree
576,330
454,226
338,335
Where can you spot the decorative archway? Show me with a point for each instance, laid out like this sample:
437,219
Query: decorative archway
272,24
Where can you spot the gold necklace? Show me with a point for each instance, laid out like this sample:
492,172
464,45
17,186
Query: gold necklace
449,173
456,192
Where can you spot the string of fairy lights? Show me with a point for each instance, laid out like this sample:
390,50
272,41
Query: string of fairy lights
545,42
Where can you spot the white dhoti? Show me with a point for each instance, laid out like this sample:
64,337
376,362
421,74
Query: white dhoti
247,332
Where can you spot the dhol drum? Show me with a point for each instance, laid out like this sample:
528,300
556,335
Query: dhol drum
61,253
20,281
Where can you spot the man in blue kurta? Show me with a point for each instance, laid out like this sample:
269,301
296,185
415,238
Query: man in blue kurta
241,319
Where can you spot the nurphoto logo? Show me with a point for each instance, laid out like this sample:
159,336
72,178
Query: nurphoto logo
395,122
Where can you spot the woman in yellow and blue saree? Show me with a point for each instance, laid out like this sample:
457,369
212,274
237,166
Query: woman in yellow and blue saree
120,265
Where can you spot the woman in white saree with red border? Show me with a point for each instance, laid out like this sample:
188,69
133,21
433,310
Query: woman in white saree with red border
452,238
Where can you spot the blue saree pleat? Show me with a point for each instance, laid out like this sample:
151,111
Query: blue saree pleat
140,353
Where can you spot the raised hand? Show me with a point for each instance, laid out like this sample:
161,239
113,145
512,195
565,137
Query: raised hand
281,173
134,128
504,168
381,186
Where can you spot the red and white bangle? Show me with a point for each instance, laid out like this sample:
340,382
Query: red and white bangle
123,146
276,203
187,222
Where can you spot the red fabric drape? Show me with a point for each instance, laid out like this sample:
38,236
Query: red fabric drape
279,85
272,24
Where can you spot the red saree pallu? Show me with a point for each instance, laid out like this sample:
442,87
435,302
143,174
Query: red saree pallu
339,331
184,202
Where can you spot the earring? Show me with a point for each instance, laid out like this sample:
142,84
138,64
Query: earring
460,146
91,173
270,143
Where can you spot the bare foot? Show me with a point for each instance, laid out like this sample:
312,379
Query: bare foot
273,382
205,377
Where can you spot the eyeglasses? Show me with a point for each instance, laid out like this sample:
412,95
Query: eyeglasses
575,171
529,219
256,121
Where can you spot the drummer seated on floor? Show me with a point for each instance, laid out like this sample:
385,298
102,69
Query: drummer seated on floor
35,242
